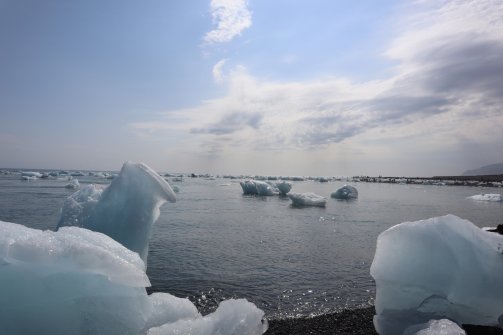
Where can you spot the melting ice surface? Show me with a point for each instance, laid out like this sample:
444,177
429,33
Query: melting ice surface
77,281
444,267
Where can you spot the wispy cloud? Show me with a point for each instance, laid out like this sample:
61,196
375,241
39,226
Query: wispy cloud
218,70
231,17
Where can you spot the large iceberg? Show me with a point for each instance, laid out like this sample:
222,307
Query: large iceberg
345,192
307,199
76,281
125,210
444,267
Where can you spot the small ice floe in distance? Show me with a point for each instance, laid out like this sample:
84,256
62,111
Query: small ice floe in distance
444,267
435,327
493,197
258,188
307,199
283,187
73,184
31,174
345,192
29,178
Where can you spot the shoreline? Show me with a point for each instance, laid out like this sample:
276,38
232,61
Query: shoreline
348,322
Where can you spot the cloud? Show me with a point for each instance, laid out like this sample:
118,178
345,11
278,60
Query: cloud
231,123
447,86
231,17
218,75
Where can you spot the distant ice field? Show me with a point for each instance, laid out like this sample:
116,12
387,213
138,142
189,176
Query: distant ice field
215,243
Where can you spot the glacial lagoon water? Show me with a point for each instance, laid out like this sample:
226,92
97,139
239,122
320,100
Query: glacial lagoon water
215,243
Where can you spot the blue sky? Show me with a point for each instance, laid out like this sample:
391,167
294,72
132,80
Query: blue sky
316,87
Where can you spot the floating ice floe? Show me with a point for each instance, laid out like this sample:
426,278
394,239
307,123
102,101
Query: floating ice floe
258,187
76,281
31,174
307,199
28,178
444,267
73,184
345,192
283,187
435,327
129,204
494,197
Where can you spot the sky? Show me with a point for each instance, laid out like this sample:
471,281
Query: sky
270,87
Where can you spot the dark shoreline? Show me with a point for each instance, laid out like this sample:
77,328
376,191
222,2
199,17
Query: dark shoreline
356,321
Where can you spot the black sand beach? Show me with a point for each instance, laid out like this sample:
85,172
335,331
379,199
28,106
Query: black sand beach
357,322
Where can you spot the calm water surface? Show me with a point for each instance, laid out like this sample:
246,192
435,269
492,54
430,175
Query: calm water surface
216,243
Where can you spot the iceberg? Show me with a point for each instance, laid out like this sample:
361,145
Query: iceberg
258,188
73,184
307,199
345,192
494,197
125,210
283,187
75,281
444,267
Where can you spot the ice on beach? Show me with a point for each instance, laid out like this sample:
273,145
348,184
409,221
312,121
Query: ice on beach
307,199
345,192
125,210
435,327
76,281
495,197
73,184
258,188
283,187
444,267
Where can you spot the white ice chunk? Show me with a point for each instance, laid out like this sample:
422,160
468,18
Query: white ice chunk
435,327
283,187
487,197
345,192
307,199
232,317
444,267
168,309
125,210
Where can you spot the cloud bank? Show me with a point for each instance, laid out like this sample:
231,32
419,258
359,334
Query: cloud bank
446,90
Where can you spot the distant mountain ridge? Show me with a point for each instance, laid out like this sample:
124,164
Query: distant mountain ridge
485,170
